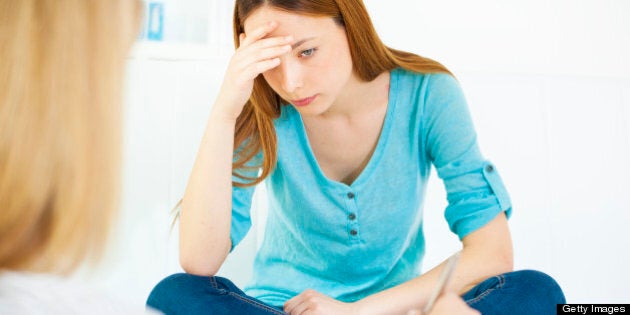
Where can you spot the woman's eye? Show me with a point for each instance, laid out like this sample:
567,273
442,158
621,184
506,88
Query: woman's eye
307,53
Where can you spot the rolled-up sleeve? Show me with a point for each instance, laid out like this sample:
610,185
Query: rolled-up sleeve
475,191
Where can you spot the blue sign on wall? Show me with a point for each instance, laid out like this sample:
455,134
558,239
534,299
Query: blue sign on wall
155,21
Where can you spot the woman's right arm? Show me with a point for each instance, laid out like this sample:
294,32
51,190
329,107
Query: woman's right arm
206,209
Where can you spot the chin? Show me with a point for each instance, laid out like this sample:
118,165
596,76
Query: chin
312,110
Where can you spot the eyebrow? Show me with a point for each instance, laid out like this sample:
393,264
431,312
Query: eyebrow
300,42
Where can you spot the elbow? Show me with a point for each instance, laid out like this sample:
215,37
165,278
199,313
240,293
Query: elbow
198,269
199,266
202,258
207,264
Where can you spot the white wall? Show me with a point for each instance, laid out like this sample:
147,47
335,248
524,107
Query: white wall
573,37
548,83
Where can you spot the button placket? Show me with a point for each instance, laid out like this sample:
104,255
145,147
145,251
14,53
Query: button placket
350,199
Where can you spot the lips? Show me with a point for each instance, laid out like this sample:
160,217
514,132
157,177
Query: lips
304,101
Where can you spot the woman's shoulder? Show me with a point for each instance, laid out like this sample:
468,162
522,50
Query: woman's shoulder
415,90
31,293
434,80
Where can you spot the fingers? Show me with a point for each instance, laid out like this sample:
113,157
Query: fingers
266,53
262,55
257,33
289,305
258,54
257,38
254,53
270,42
254,62
261,66
299,303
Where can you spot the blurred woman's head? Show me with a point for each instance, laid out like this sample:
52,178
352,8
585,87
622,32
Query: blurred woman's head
62,64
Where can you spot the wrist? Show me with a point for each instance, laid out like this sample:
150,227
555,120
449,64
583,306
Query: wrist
221,115
228,107
225,112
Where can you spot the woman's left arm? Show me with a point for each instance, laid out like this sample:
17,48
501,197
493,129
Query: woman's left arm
486,252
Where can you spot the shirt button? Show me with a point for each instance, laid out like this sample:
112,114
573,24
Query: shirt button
353,232
489,168
352,216
350,195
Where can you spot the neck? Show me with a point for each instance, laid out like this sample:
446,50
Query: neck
360,96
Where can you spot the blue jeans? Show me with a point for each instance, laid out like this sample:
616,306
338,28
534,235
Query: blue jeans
514,293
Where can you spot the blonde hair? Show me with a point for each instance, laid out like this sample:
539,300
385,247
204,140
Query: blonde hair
61,68
255,131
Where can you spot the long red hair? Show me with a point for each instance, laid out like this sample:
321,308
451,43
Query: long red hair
255,130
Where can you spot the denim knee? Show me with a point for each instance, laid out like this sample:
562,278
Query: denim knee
541,285
519,292
189,294
182,286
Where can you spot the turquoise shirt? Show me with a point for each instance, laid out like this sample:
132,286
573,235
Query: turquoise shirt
351,241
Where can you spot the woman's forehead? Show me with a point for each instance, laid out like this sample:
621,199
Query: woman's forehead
288,23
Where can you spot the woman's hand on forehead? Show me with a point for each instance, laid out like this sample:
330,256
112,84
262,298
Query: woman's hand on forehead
255,55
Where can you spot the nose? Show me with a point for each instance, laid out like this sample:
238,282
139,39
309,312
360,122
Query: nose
291,76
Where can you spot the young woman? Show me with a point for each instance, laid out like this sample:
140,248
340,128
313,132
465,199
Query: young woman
344,131
61,64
